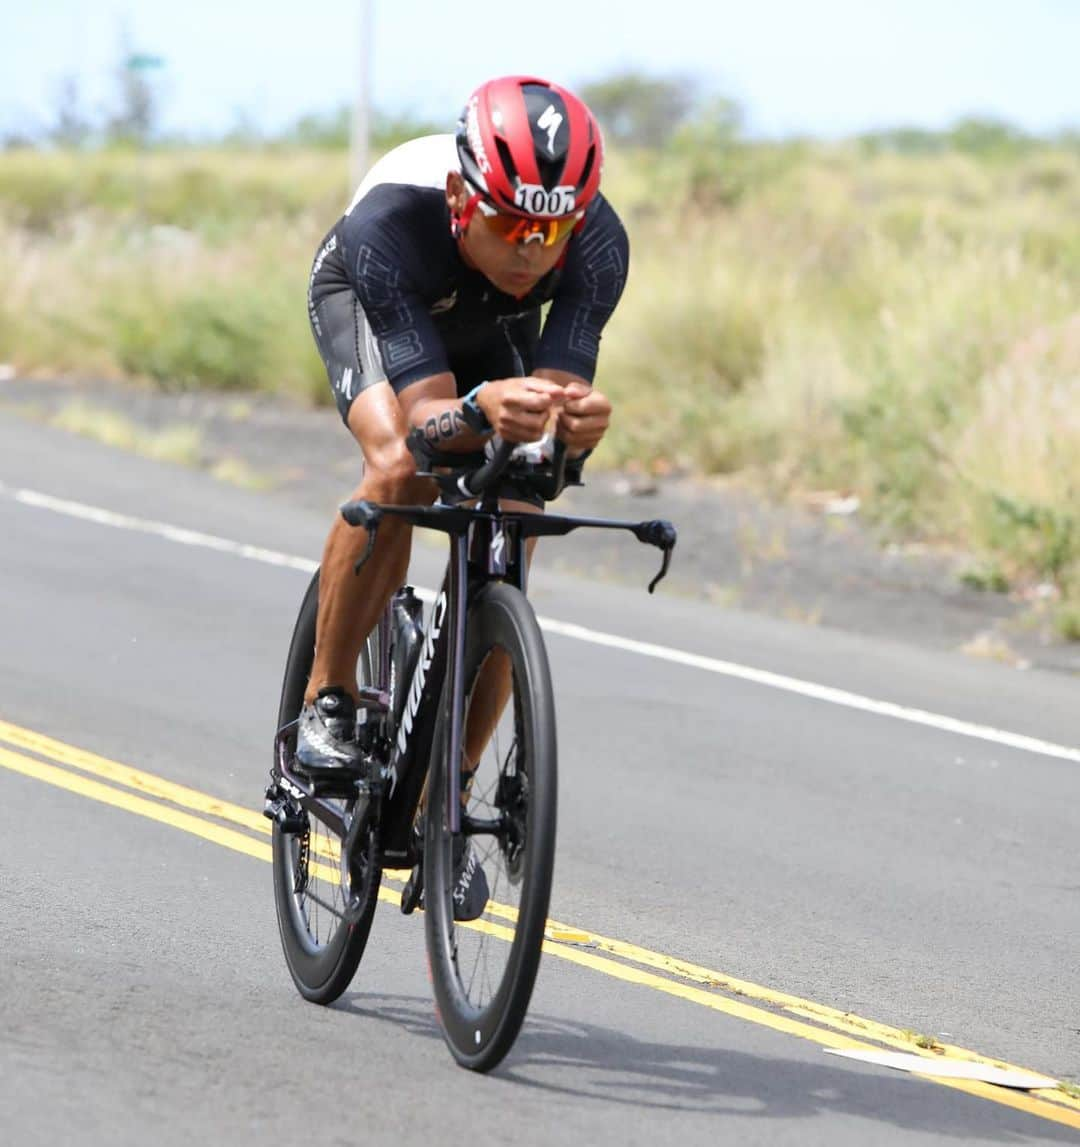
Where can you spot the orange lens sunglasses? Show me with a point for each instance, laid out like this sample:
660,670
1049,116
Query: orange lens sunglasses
516,229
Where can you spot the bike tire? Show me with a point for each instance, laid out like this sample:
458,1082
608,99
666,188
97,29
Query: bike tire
321,967
478,1033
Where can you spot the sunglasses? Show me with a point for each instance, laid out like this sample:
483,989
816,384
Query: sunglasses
516,229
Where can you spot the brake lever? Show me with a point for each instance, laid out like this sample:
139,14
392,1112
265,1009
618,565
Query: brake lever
663,569
663,535
369,549
362,513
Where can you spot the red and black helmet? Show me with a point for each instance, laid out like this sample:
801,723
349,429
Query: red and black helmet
530,147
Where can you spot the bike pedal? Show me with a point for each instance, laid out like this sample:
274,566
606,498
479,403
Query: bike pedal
412,892
280,809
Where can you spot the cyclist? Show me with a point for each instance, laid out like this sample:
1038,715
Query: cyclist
425,301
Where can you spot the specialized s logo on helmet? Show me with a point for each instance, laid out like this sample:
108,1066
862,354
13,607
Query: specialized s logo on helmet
550,122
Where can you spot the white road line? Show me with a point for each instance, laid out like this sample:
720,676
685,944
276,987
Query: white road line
817,692
161,529
577,632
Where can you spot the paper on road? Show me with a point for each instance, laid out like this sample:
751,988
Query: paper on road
950,1068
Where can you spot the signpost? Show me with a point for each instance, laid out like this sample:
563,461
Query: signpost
143,61
141,102
361,117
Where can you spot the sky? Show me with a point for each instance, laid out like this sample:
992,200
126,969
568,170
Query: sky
810,67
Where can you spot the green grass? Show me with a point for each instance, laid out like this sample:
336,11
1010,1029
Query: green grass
985,577
920,1039
902,327
1067,621
178,443
209,191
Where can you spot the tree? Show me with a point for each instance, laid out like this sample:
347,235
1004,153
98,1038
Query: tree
72,128
331,129
322,129
638,110
988,138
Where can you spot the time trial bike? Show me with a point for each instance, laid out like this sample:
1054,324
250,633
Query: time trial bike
416,799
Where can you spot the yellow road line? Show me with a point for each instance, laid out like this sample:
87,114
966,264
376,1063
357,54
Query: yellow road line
855,1025
156,786
1021,1101
95,790
117,798
132,778
1047,1103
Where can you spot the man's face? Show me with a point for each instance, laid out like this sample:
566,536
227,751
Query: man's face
515,267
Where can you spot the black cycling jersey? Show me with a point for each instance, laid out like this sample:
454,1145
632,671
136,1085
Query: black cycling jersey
391,297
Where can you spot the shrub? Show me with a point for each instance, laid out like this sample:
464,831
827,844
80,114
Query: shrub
898,318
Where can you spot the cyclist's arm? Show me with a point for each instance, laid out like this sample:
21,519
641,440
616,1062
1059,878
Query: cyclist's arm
432,405
517,408
592,284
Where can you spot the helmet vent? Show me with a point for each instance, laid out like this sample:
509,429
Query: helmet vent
506,159
586,171
550,170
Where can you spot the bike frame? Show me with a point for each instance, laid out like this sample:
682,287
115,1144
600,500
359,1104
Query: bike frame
486,544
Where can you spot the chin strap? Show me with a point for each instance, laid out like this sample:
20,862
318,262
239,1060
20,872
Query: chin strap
459,224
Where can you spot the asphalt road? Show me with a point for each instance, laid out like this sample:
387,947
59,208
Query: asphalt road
917,874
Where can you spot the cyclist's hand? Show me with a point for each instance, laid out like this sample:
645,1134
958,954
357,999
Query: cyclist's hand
519,408
584,417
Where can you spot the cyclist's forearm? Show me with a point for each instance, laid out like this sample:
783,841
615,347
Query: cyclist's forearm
444,425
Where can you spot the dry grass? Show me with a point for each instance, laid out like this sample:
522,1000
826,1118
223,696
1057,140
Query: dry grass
179,443
901,328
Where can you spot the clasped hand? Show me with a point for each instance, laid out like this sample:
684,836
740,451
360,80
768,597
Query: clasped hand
520,409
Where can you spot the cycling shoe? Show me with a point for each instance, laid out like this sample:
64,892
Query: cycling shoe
326,734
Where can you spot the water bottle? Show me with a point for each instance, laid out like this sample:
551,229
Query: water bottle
406,611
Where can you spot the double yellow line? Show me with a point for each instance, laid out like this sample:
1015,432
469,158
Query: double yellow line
247,831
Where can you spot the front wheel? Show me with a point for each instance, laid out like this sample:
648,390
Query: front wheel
483,970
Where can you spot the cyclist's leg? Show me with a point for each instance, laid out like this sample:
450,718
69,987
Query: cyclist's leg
350,604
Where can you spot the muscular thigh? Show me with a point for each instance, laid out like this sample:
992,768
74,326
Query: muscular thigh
378,423
342,333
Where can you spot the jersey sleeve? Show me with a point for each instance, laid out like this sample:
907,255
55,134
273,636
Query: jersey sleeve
592,283
386,272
